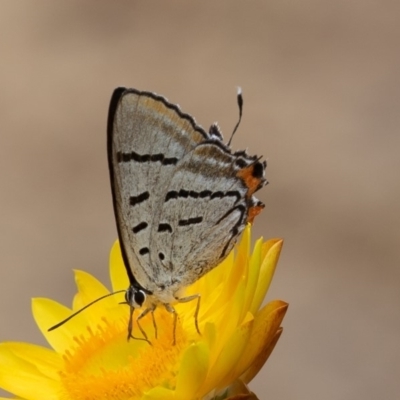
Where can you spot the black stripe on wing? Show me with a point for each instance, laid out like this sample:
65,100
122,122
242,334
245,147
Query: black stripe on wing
142,158
184,194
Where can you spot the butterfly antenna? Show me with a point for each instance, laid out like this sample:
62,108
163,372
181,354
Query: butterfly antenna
82,309
240,105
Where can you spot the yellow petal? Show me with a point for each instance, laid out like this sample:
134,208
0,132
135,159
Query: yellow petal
227,321
89,289
192,371
29,371
243,249
218,274
118,275
47,313
220,374
253,276
271,250
266,324
210,334
261,359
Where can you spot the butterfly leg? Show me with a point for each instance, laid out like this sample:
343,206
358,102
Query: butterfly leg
154,323
172,310
144,313
196,313
130,327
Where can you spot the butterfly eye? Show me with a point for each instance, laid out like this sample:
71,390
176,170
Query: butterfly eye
139,298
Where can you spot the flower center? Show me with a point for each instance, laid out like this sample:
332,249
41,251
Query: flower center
103,364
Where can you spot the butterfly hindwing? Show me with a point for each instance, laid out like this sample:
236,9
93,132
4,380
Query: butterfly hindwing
205,209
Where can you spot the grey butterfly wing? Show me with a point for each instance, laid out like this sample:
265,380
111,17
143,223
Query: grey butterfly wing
205,209
147,137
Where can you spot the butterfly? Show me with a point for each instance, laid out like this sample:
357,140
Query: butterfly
181,198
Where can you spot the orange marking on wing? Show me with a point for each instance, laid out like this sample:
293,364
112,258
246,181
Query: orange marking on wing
246,174
254,211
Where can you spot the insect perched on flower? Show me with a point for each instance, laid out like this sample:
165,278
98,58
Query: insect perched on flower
181,198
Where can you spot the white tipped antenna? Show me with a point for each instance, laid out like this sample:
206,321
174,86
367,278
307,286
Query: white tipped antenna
240,105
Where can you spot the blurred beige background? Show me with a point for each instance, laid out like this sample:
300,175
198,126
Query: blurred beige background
322,92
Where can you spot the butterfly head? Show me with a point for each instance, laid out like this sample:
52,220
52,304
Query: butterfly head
135,296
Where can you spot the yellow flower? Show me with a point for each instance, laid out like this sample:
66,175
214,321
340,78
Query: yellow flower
92,359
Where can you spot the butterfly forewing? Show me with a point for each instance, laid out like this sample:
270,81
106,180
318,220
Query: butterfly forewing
147,139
